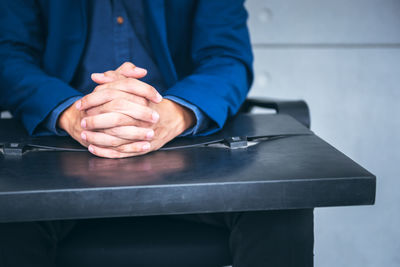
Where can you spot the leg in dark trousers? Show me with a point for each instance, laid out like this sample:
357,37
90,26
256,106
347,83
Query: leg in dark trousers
282,238
31,243
263,238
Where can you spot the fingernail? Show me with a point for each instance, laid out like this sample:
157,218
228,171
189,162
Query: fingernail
83,123
83,136
91,149
159,98
139,71
146,146
78,104
155,116
150,135
98,75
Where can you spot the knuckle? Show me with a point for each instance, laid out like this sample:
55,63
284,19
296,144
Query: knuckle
120,76
98,88
87,100
142,101
112,131
136,147
89,112
93,111
148,113
84,101
128,64
142,135
143,124
89,137
116,103
108,93
121,103
89,122
119,120
93,123
122,149
115,143
150,90
109,73
128,148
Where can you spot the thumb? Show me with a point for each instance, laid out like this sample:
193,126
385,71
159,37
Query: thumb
121,73
130,70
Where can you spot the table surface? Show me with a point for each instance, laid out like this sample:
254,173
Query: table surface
299,171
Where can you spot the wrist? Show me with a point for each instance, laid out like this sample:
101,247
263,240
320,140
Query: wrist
183,116
188,118
66,117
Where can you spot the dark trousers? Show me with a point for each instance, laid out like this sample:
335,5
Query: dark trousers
262,238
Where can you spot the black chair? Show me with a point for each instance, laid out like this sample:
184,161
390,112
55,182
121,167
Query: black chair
159,240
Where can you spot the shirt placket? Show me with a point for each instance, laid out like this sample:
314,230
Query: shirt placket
121,36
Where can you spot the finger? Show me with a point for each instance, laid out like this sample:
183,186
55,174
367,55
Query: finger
130,133
102,139
128,69
135,147
106,120
128,122
136,111
97,98
99,109
111,153
133,86
106,77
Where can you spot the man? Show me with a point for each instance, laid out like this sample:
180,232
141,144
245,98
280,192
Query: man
54,59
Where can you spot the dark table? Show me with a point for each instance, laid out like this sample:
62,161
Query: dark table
295,169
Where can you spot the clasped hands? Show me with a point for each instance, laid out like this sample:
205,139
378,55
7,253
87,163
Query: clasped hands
124,116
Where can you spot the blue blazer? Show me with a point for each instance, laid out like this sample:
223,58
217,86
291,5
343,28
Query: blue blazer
201,46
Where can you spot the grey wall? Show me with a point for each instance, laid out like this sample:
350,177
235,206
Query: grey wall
343,58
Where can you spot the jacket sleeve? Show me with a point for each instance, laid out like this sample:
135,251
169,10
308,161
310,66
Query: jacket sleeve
222,58
25,89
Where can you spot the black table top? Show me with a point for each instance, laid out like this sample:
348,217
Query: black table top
299,171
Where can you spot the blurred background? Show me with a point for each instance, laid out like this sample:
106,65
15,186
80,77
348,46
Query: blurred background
343,58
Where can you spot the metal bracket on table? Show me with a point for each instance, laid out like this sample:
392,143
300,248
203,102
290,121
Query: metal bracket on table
14,149
236,142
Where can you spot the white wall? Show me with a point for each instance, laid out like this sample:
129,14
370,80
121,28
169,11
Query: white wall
343,58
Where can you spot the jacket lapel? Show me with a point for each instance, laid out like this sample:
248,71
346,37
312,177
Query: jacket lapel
157,34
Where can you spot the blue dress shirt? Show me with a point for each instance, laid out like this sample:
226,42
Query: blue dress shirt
116,35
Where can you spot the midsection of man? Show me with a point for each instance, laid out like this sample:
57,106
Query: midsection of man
199,61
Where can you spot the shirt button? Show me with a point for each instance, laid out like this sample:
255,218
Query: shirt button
120,20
